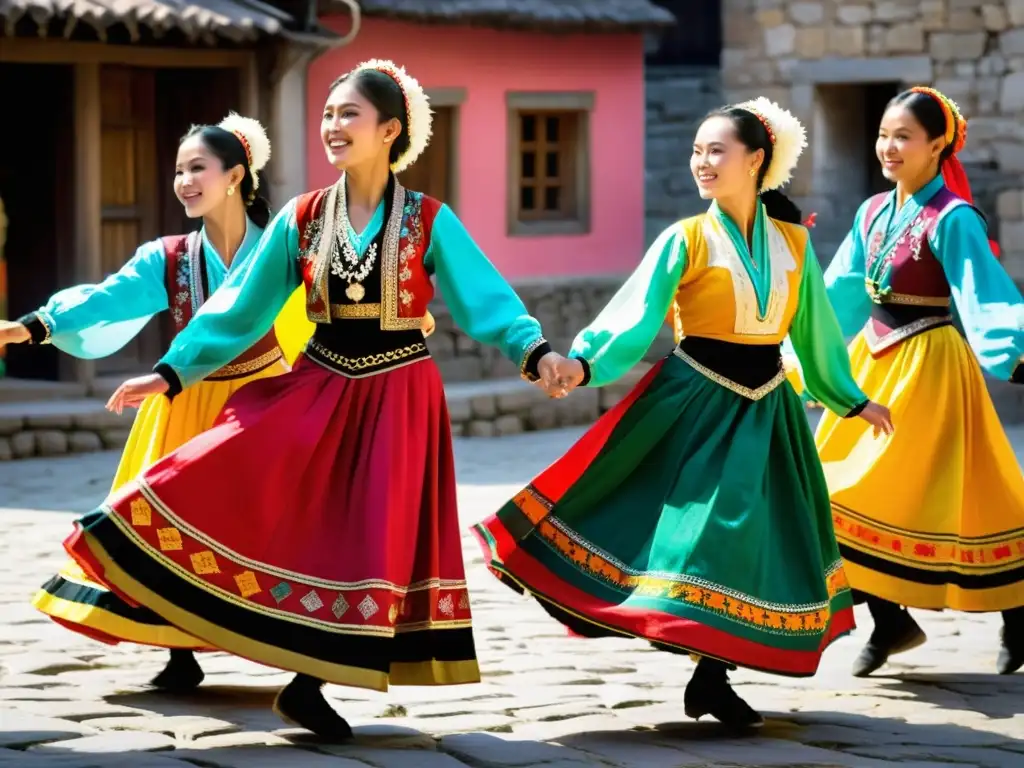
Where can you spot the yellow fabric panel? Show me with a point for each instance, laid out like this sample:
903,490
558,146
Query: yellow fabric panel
293,327
706,302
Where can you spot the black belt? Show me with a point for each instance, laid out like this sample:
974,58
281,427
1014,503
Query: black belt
891,324
751,370
369,364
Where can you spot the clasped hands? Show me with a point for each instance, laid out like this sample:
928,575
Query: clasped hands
558,375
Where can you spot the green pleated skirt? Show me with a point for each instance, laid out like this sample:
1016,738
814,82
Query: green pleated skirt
691,516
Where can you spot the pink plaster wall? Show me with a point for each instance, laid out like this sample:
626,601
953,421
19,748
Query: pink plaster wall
488,63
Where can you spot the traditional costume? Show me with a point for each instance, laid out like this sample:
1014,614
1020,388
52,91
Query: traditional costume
694,514
314,527
932,516
172,275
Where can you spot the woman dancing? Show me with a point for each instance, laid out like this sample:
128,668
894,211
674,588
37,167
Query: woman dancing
314,528
216,180
933,517
695,514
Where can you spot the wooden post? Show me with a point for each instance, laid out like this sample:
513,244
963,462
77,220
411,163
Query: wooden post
88,187
249,86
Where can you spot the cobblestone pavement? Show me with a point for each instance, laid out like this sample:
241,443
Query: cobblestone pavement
546,700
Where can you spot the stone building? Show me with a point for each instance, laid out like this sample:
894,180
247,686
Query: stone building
683,83
837,62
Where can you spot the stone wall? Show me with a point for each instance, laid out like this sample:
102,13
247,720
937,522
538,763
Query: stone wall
815,56
677,99
57,428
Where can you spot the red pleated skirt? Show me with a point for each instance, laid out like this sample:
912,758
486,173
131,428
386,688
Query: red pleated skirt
314,528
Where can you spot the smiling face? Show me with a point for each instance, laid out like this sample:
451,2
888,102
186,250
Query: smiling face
903,148
201,182
351,130
721,164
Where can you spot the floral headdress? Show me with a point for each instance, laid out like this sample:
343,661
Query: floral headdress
418,116
254,141
788,139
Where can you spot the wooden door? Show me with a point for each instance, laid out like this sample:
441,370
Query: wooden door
431,174
129,196
186,97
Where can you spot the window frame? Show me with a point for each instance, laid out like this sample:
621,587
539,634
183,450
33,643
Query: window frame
581,104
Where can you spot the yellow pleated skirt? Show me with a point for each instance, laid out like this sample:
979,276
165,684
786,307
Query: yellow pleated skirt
932,516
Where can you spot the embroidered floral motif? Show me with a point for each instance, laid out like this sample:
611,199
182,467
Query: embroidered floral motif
169,538
142,513
464,601
181,303
248,584
446,605
392,613
411,239
311,601
311,238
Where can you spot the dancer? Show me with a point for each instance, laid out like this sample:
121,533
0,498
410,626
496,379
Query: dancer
215,179
933,517
694,514
314,528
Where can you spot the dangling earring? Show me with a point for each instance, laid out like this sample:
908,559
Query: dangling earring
231,190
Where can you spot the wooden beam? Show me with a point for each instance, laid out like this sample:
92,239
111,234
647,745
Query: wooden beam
88,187
25,50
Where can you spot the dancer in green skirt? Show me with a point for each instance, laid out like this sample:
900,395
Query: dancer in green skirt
695,513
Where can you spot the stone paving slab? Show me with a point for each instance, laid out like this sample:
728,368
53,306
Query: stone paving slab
547,700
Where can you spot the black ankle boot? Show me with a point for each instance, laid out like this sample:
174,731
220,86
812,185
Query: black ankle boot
895,632
1011,646
302,703
182,673
709,693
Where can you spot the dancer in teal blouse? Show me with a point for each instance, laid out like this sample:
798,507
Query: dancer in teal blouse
932,517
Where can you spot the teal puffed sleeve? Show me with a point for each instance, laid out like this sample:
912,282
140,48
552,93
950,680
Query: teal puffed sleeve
844,279
987,300
482,303
621,334
93,321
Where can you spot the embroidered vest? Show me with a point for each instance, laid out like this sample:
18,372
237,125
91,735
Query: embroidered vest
917,297
186,293
406,289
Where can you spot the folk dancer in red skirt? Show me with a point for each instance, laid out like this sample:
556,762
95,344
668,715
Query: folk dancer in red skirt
314,527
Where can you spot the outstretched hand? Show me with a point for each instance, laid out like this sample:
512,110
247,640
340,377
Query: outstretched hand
559,375
12,332
133,392
879,417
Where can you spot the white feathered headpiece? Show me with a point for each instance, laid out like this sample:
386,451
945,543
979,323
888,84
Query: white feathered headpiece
788,139
418,116
254,140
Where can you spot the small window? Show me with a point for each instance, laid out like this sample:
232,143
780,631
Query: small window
549,163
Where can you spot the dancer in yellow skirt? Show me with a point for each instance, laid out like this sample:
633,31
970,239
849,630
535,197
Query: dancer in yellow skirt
933,516
215,179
